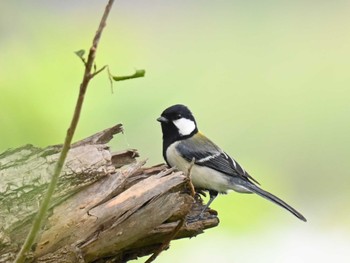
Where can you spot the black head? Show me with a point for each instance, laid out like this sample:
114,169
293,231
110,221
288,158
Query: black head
177,123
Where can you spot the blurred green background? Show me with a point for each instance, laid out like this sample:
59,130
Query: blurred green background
267,80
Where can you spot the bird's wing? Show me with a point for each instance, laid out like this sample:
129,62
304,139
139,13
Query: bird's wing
208,154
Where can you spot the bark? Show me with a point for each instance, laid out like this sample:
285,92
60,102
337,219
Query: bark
107,206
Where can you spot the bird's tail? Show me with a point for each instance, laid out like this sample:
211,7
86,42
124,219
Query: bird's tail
257,190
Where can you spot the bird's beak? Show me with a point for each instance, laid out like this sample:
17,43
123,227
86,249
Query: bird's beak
163,119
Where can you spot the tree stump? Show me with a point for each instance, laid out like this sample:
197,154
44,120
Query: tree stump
107,206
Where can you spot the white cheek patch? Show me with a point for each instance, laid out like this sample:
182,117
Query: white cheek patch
185,126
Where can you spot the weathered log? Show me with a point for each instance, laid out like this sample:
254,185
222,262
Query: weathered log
106,207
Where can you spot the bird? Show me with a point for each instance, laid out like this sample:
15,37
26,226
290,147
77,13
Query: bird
211,168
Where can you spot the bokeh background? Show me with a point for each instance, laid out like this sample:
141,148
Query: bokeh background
267,80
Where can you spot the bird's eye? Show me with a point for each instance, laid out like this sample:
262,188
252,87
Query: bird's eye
178,116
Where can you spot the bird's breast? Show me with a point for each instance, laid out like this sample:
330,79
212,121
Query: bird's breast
201,176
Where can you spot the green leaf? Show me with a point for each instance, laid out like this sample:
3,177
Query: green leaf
80,53
138,74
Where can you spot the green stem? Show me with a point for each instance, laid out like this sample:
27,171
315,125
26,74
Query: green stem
41,215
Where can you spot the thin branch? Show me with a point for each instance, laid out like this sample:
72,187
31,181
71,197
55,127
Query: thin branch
98,71
41,215
110,77
189,171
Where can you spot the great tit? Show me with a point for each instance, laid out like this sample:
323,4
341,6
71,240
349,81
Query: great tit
212,169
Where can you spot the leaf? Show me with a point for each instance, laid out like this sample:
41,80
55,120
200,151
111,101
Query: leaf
138,74
80,53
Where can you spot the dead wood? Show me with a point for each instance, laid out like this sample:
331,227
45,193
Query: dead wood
107,206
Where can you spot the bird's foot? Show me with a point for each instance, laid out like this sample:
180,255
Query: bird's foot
193,219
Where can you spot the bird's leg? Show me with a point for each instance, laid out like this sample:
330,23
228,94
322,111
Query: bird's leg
213,195
199,193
